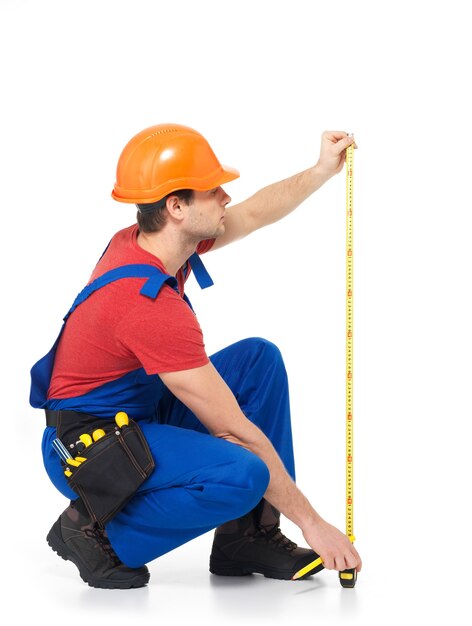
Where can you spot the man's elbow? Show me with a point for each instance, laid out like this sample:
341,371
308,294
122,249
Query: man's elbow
229,437
248,442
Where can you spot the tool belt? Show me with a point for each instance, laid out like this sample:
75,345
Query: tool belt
113,467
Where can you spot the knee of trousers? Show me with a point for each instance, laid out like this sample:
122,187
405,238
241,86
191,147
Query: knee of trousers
265,349
249,484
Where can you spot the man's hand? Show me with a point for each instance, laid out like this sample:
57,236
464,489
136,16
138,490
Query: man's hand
332,545
333,152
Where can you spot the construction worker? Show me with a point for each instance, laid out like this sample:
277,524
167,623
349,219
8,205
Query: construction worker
218,428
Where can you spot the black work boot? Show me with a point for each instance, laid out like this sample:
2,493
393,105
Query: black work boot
254,543
75,537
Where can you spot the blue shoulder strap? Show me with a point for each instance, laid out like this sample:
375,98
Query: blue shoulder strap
151,287
42,370
201,274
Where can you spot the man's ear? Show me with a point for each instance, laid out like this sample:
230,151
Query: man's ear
174,206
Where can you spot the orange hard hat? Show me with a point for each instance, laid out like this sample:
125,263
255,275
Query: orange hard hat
165,158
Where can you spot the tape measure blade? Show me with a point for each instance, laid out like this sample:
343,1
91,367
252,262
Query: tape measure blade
349,344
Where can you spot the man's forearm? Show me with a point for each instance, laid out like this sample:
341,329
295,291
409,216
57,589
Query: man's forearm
282,491
272,203
212,401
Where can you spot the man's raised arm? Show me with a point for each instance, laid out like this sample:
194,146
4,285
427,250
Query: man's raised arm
272,203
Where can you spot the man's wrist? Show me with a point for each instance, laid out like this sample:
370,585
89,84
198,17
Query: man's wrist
321,173
311,520
303,514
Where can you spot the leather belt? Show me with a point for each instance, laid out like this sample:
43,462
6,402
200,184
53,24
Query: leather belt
66,418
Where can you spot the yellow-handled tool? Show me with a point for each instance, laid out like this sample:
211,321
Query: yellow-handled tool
98,434
122,419
74,463
86,439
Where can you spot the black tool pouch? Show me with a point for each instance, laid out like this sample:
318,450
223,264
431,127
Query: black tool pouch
115,467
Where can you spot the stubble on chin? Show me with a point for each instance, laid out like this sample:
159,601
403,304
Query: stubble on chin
220,230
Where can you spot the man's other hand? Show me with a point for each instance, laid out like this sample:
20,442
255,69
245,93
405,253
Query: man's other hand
332,545
333,152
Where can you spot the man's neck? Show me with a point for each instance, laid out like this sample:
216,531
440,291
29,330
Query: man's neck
168,248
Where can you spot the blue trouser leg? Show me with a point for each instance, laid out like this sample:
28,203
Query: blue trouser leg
255,372
163,519
201,481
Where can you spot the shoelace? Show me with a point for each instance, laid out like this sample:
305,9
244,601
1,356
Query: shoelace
99,534
276,536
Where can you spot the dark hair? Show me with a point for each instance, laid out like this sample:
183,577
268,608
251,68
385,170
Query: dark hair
152,217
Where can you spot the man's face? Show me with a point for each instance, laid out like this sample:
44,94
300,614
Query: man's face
206,213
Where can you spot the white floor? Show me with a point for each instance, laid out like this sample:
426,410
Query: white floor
411,523
389,590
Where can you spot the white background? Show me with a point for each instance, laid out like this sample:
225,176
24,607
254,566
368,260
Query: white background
261,81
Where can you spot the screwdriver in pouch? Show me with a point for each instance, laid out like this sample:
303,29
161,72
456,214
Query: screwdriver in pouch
75,463
98,434
78,460
121,419
63,453
86,439
60,448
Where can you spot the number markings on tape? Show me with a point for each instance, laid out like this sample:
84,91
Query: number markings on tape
349,344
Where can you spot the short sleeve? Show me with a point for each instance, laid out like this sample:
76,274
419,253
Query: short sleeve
163,334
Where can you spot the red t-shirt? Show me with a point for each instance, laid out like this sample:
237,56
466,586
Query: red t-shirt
118,330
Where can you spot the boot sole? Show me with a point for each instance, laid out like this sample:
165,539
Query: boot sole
55,541
222,568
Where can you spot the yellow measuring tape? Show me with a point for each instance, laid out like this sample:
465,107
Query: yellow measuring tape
349,346
347,577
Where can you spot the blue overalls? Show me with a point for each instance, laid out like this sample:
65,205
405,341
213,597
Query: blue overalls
200,481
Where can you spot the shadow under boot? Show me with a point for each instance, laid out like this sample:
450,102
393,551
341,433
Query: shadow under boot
254,543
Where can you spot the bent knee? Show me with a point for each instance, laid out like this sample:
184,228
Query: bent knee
259,345
259,473
253,479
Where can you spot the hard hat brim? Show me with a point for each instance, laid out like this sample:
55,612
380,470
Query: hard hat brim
222,175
